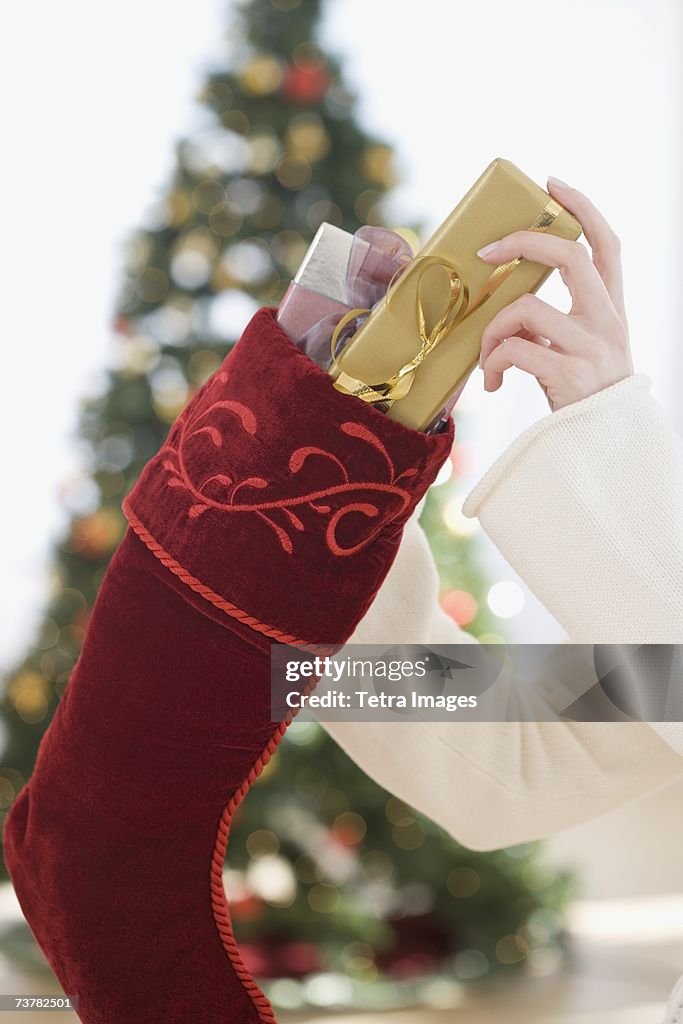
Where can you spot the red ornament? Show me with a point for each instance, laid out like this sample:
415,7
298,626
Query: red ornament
122,325
306,82
271,958
82,618
461,606
250,908
421,943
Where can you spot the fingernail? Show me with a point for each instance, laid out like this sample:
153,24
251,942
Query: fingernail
488,249
558,183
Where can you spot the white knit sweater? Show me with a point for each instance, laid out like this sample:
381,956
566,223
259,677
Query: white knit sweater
587,506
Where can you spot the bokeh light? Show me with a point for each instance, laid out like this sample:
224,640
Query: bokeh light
505,599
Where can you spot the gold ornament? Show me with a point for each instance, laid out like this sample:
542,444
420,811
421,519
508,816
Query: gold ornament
463,882
293,172
177,208
306,137
235,121
152,284
261,75
377,164
264,151
97,534
29,693
207,195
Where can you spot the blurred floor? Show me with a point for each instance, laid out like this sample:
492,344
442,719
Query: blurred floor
626,956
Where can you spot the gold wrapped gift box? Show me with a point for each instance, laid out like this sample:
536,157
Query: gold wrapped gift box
424,338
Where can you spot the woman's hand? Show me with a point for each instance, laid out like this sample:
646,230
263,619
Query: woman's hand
573,354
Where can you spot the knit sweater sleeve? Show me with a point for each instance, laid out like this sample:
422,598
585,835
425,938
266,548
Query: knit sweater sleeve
588,508
587,505
534,778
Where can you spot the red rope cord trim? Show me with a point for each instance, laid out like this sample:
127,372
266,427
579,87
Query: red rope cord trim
219,903
210,595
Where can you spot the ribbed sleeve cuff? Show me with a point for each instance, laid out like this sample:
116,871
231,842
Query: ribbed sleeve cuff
277,499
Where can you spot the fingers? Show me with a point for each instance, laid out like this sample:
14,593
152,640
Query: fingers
542,362
530,315
588,290
538,339
604,243
571,355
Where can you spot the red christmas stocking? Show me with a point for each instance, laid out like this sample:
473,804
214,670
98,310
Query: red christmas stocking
273,512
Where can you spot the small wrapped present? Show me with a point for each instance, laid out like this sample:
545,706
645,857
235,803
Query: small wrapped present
339,272
317,298
420,343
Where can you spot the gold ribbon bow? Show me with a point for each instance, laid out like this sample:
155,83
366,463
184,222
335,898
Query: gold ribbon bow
458,307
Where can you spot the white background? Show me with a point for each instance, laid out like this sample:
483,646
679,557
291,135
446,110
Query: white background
94,95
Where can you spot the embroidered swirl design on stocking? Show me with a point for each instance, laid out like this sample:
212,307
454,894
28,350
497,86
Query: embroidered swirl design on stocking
218,424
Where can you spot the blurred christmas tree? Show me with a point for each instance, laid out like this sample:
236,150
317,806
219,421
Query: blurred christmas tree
327,871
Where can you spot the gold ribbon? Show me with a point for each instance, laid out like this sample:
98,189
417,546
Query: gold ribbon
457,309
